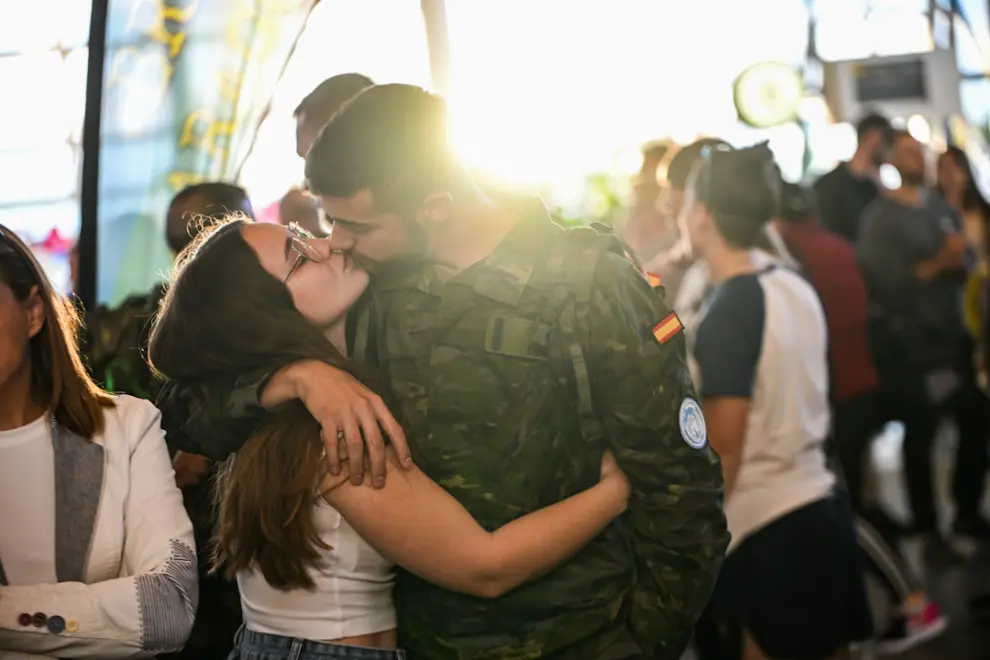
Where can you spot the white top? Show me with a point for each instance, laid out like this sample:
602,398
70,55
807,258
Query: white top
125,546
27,503
352,594
762,337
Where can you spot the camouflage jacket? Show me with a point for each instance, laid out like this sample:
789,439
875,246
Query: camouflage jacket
509,391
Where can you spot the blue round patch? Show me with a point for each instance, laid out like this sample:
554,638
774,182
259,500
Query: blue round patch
692,423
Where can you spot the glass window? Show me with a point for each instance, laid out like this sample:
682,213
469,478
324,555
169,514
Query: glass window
977,15
43,63
339,37
970,58
975,98
942,29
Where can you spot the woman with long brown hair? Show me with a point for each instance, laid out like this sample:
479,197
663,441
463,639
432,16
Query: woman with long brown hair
96,550
312,552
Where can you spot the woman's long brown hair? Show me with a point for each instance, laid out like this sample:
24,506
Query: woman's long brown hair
225,315
59,381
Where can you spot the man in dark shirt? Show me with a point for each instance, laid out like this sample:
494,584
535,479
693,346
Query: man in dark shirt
845,192
915,259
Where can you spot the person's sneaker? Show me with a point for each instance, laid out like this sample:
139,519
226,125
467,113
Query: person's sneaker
974,527
922,622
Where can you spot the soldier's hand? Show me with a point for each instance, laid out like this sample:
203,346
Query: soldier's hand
190,469
348,412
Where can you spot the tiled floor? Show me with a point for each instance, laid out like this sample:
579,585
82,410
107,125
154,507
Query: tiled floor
952,586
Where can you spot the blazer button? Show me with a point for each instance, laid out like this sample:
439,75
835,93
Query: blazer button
25,619
71,625
56,625
39,619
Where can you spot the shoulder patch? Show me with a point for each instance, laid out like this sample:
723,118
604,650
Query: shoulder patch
653,279
667,329
692,424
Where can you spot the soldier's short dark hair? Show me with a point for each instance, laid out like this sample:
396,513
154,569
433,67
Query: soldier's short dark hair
212,199
321,104
679,169
874,122
391,139
741,190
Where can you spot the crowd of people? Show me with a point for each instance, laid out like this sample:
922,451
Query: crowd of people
452,428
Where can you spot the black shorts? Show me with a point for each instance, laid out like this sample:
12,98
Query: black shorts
796,585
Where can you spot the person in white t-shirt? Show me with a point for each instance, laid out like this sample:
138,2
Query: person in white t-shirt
791,586
96,550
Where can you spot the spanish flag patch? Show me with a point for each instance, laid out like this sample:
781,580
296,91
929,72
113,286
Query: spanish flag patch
653,279
666,329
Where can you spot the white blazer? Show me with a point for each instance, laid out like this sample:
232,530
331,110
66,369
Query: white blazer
124,551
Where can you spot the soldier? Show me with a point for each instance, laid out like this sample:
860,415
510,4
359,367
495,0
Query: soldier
514,352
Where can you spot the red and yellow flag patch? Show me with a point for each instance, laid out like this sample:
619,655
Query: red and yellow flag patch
666,329
653,279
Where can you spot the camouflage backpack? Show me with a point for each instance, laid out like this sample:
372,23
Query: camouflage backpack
115,346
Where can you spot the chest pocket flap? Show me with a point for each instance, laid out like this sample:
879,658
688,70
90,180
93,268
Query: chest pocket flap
516,337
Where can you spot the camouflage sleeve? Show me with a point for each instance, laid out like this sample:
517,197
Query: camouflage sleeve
646,402
212,418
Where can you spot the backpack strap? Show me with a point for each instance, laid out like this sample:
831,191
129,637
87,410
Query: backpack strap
570,269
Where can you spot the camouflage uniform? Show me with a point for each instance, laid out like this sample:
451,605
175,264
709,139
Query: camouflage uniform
510,380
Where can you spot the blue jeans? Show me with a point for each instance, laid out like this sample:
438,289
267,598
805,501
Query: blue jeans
250,645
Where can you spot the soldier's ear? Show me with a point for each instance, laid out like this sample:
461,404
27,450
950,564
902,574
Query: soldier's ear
34,306
436,209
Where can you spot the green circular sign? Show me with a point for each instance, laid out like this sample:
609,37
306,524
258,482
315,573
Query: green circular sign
768,94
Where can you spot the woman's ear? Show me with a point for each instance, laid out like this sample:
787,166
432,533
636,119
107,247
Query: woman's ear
35,308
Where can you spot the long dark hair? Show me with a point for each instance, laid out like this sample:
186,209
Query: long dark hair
973,198
59,380
224,315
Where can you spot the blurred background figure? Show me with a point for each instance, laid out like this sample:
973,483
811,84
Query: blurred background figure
314,111
916,258
646,229
845,192
300,208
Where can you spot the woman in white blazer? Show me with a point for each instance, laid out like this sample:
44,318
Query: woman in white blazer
96,550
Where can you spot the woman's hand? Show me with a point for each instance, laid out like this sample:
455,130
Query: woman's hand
613,476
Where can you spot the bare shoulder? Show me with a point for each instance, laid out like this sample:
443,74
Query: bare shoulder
397,481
